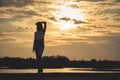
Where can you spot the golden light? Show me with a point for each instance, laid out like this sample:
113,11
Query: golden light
63,25
66,16
70,13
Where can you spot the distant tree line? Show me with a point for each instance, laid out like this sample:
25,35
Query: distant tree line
57,62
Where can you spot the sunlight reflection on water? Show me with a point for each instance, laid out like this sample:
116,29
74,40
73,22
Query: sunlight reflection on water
57,70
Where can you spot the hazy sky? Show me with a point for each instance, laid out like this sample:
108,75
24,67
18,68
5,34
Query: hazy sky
78,29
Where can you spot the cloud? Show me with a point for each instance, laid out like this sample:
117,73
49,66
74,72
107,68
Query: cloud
7,40
16,3
79,21
17,26
74,20
107,3
1,34
91,0
109,39
67,39
116,0
65,18
99,47
74,6
23,13
73,40
117,19
42,2
112,11
6,27
2,20
7,37
105,18
52,18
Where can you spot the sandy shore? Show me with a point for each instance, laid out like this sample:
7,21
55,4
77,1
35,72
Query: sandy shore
61,76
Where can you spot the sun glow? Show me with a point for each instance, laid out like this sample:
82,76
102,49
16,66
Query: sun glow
66,16
70,13
66,25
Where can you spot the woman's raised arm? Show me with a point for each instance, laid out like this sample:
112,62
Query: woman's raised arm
45,25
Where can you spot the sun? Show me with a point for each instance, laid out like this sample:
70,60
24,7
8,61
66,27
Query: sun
63,25
71,13
66,15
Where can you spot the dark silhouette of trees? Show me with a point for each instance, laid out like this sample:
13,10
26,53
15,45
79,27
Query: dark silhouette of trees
57,62
17,62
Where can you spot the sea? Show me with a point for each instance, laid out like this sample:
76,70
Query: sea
60,70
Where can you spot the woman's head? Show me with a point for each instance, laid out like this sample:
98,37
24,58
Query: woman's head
39,26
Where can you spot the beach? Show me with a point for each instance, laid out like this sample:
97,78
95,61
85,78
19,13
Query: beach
60,76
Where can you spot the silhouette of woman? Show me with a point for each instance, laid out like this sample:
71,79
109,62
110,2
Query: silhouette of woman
38,45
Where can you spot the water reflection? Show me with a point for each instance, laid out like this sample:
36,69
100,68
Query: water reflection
58,70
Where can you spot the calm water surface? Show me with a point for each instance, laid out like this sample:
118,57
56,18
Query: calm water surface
58,70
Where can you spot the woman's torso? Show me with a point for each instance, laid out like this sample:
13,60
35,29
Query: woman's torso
39,38
39,35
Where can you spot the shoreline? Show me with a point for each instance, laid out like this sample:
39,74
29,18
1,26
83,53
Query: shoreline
60,76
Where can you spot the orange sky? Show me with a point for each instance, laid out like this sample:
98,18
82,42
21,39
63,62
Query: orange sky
78,29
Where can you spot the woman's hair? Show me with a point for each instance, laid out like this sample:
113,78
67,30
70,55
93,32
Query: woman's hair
39,26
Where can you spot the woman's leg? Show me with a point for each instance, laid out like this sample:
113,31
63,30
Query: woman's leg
38,60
